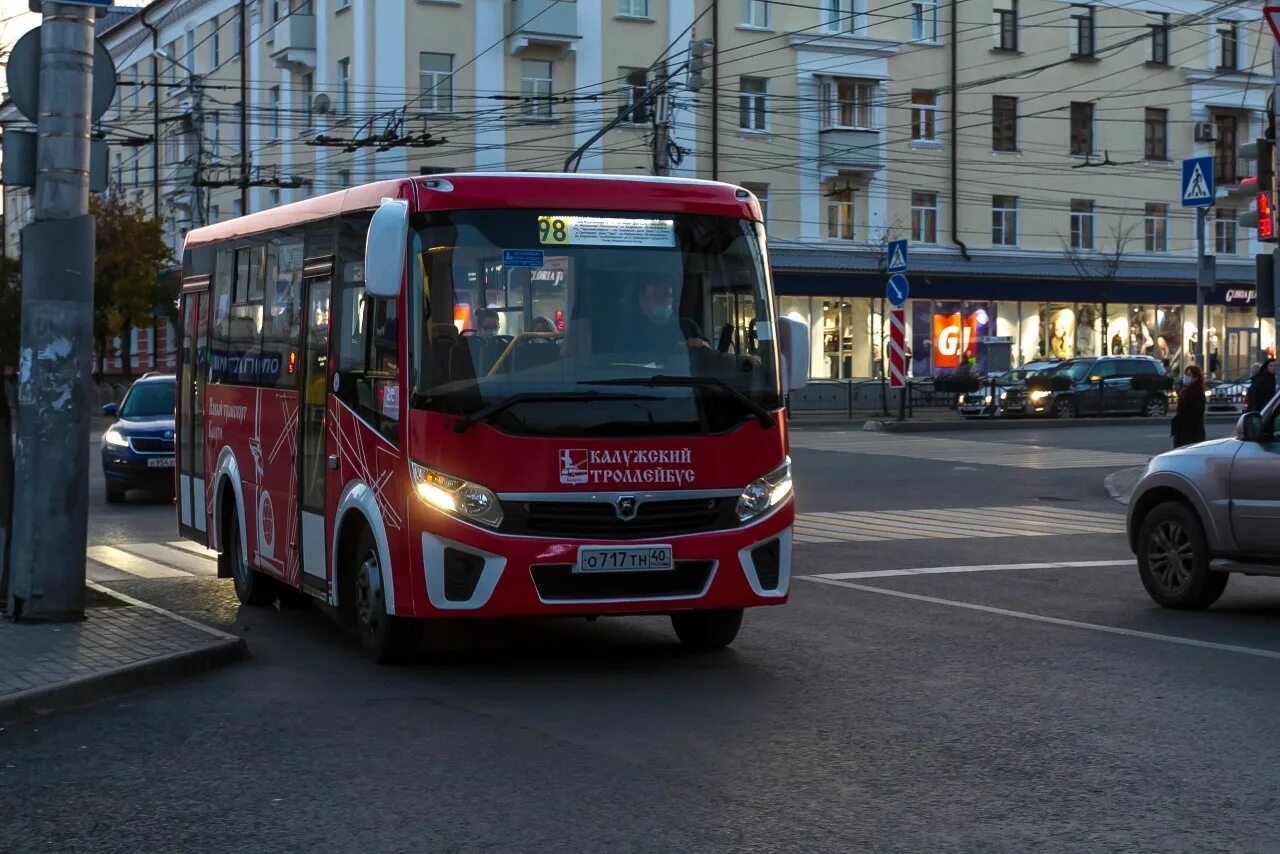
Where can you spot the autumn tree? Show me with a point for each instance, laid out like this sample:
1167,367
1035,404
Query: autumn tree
131,254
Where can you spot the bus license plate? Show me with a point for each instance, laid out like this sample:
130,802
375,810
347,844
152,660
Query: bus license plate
160,463
624,558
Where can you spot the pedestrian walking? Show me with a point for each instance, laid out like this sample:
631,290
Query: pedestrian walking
1188,422
1262,387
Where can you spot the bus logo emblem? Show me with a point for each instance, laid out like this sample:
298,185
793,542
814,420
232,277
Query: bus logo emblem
625,507
573,465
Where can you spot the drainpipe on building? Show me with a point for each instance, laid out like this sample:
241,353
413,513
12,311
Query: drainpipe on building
155,115
955,139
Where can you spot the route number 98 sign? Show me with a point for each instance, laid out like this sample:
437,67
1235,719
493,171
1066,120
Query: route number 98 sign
605,231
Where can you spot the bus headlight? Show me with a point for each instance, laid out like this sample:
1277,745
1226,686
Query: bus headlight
115,437
765,492
455,496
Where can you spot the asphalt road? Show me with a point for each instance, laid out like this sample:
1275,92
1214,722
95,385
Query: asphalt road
974,709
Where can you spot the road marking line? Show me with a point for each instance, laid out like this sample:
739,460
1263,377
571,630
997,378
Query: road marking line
1053,621
178,559
115,558
988,567
193,547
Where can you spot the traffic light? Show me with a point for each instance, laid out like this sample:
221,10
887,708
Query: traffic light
699,59
1261,191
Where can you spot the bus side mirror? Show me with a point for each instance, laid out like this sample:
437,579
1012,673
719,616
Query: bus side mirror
384,249
793,347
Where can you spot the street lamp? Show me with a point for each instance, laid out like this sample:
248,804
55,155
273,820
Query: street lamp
164,54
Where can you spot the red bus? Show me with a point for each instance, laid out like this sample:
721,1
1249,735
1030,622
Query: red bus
491,396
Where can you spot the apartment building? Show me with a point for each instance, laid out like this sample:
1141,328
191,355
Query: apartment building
1028,149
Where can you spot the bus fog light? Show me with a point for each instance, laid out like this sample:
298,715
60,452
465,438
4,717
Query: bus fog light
766,492
455,496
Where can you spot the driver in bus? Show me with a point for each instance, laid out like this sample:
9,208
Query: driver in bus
661,334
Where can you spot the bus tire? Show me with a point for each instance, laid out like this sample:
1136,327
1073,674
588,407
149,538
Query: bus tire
252,587
386,639
706,631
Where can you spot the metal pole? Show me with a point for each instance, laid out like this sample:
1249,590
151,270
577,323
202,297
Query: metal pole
715,90
244,113
51,506
1201,265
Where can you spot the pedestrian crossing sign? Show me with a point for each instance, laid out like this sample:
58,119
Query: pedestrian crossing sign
896,256
1197,182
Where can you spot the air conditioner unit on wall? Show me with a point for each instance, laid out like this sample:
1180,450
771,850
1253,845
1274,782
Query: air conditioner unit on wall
1206,132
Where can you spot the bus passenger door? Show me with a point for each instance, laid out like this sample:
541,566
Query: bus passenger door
312,463
192,375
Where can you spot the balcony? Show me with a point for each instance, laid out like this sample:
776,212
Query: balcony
295,43
544,23
844,149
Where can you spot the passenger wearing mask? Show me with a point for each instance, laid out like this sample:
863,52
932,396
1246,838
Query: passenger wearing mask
1188,422
1263,386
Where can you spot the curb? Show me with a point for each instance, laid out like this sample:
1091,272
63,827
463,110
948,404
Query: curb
1120,484
85,690
876,424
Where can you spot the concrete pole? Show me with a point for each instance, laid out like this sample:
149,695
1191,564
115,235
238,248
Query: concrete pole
55,356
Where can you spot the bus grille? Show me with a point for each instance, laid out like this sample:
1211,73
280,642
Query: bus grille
599,519
151,445
558,582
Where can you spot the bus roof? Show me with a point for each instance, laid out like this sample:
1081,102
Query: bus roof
477,190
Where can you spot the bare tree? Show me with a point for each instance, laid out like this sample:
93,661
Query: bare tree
1101,265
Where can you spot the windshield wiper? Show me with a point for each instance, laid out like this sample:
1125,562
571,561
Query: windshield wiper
764,415
505,403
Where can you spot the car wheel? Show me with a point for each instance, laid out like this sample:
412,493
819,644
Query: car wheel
115,496
1173,559
1157,407
252,587
386,639
706,631
1065,408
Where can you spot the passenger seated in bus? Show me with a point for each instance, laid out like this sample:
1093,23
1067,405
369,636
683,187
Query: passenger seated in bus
542,324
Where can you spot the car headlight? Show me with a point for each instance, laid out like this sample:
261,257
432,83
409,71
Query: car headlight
987,399
765,492
1004,395
1208,393
115,437
1037,396
455,496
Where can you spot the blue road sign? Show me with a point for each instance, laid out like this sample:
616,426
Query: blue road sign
895,255
1197,182
898,290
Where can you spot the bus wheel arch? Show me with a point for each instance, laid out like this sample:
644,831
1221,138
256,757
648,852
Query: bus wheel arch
227,491
358,511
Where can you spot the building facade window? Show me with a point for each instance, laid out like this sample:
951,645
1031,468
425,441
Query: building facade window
307,87
1160,38
1081,128
237,207
634,109
924,217
1004,220
753,103
1228,46
755,13
924,115
344,86
1082,224
435,77
840,215
1156,227
1004,123
1006,22
344,178
1156,145
1225,231
1082,32
215,38
1225,163
924,20
273,100
633,8
215,214
273,199
189,49
213,130
839,16
535,86
761,192
847,103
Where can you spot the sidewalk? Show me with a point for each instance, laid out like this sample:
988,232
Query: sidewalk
945,420
122,645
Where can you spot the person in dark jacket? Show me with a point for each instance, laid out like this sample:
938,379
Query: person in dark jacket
1188,421
1262,387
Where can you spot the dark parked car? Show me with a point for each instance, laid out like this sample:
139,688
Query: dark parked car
984,400
1097,385
137,450
1228,396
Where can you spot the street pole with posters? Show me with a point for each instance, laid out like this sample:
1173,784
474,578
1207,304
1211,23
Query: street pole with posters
51,488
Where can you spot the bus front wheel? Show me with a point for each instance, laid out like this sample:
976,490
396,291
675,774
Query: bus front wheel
385,638
252,587
705,631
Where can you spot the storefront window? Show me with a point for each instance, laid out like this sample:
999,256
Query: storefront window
1029,333
1090,334
1057,331
921,338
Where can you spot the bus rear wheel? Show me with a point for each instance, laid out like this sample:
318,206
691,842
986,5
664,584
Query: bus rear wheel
706,631
386,639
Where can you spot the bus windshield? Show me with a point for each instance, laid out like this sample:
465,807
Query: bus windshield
614,323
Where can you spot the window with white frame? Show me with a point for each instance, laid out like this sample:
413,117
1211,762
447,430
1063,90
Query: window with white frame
840,214
839,16
1156,227
755,13
344,86
924,115
1228,45
1004,220
924,217
215,39
273,101
753,103
1082,224
633,8
1225,231
189,48
847,103
761,192
435,77
634,109
535,86
924,20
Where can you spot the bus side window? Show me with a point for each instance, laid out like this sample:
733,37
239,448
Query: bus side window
245,339
218,345
282,324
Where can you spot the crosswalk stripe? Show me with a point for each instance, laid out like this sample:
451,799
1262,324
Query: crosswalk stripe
966,451
193,547
115,558
177,558
951,523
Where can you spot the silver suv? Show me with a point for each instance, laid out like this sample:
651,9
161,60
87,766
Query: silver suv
1206,510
